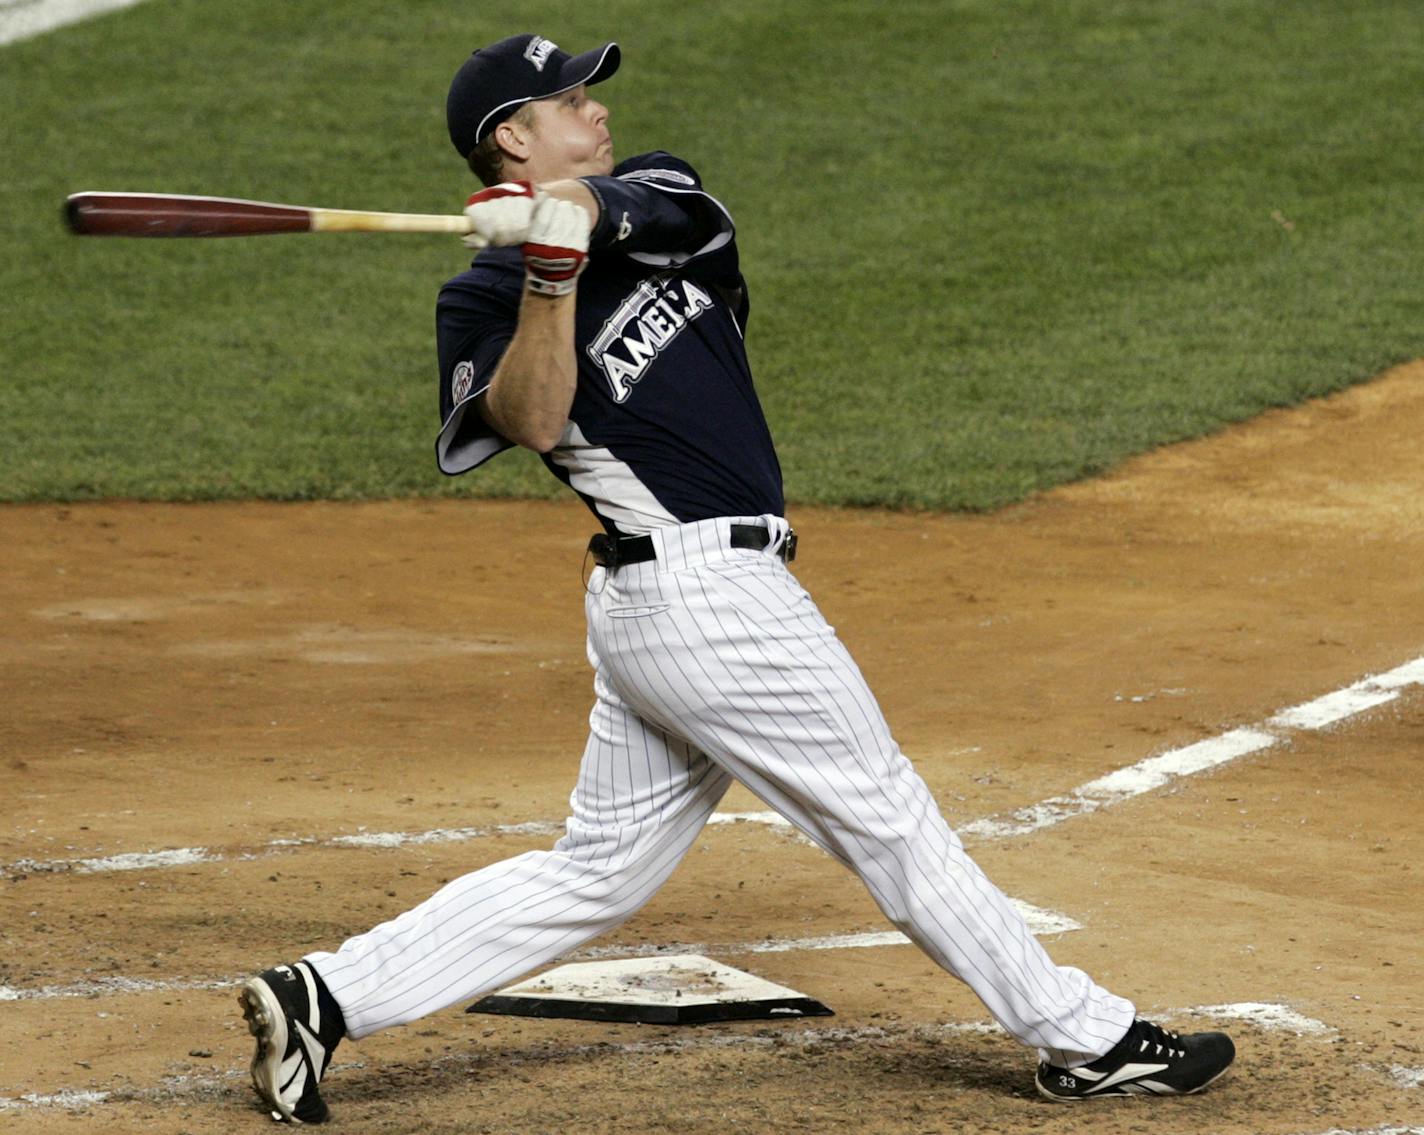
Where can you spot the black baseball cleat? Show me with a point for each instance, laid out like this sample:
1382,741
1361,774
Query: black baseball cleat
283,1007
1148,1061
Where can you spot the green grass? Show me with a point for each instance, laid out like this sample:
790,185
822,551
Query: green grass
992,246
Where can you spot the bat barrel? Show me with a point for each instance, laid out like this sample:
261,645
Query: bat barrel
157,214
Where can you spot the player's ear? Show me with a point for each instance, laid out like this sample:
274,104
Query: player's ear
514,139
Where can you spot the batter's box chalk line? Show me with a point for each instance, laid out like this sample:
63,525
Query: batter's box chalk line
1272,1017
1113,788
1156,772
1374,1131
188,856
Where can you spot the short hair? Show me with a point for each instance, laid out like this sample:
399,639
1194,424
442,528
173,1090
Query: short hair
487,159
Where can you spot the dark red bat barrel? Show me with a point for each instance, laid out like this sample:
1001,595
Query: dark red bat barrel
163,214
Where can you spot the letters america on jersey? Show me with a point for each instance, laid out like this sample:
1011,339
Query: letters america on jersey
637,306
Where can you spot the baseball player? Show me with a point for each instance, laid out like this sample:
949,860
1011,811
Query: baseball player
601,325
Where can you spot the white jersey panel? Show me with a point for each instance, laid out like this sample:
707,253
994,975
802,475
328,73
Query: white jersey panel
610,484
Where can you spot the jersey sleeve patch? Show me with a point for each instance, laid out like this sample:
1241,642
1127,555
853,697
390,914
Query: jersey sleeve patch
462,381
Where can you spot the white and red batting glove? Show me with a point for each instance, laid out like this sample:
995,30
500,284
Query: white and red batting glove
499,215
556,249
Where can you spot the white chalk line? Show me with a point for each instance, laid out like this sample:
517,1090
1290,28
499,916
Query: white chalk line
1266,1017
25,19
1269,1016
1155,772
192,856
1105,791
1040,921
1374,1131
68,1099
115,986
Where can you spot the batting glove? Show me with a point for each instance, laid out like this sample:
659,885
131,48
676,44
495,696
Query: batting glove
556,250
499,215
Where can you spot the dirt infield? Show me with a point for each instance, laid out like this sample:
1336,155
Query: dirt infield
244,685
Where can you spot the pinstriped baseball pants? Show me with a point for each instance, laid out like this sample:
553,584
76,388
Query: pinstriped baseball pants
712,663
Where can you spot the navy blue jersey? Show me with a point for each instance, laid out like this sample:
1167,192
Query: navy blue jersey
665,426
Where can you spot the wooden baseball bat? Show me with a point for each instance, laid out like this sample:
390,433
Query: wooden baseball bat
171,214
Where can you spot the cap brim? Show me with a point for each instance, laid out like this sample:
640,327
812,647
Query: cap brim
590,67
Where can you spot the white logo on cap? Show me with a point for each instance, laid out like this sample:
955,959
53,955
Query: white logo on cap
539,50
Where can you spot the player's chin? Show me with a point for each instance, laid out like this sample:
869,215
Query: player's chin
596,164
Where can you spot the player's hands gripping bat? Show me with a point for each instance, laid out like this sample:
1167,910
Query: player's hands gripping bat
557,248
500,215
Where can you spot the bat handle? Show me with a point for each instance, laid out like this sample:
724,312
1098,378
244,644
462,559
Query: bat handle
355,221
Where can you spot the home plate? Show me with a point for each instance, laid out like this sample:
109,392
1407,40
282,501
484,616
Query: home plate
684,989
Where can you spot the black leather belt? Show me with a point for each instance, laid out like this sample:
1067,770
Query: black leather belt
615,551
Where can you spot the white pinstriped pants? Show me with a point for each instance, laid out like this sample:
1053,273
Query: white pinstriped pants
713,663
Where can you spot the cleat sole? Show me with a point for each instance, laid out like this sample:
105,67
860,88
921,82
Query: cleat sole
1125,1095
268,1023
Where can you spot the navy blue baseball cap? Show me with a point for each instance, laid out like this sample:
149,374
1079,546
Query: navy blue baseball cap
497,80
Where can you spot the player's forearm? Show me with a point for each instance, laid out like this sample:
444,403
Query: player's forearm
532,389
